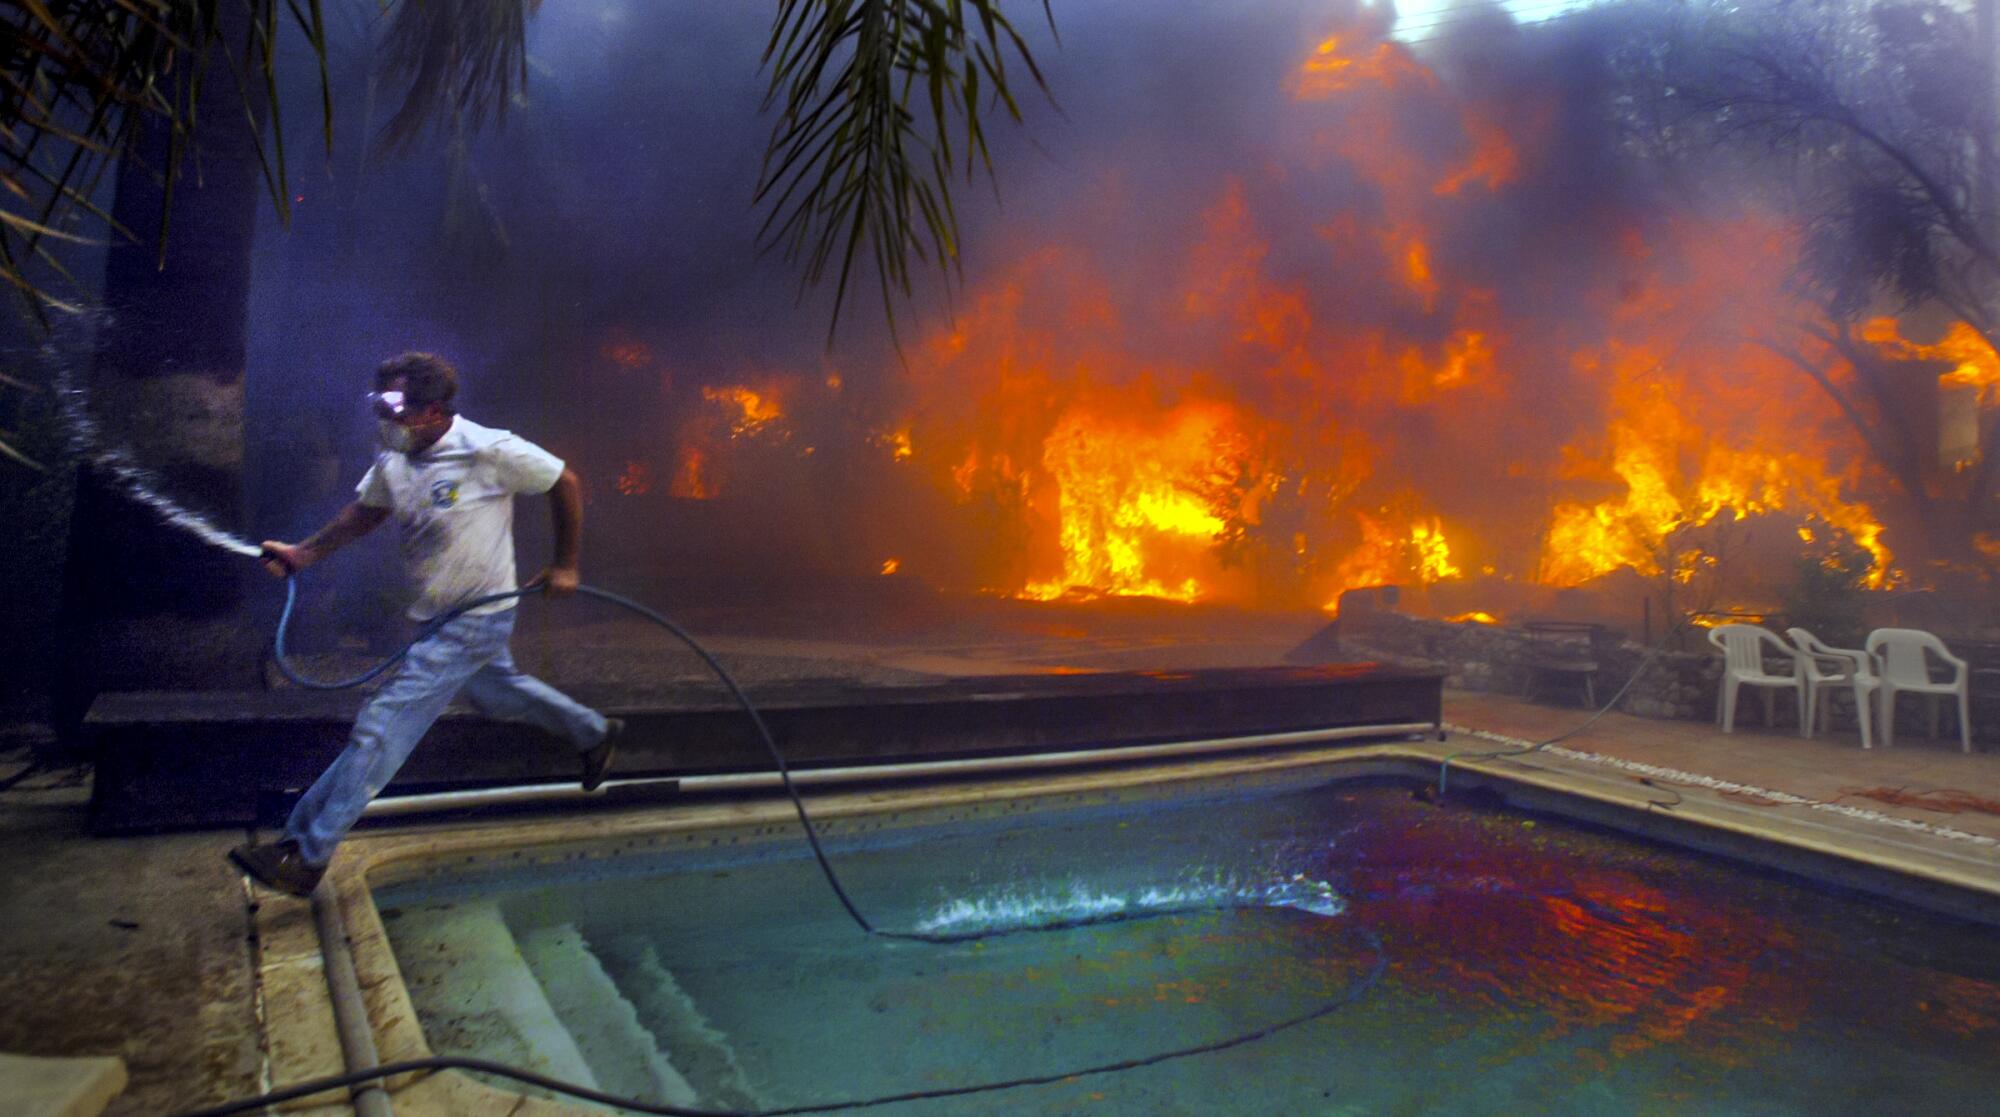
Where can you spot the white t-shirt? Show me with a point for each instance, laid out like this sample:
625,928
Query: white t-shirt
454,507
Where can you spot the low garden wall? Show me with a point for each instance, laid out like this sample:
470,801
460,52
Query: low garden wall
1486,657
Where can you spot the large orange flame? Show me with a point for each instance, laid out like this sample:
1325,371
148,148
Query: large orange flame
1676,475
1223,423
1141,503
1973,362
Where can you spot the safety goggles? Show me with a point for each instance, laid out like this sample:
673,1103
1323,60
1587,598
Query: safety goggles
388,405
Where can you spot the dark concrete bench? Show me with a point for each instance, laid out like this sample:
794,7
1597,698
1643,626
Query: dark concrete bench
189,759
1562,655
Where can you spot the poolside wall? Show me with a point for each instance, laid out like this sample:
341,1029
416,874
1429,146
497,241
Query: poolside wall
1488,657
218,758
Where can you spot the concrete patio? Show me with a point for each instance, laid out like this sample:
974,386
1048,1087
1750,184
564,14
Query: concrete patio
1930,782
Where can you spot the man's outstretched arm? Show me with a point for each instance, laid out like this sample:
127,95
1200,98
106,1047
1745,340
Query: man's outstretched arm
566,511
349,524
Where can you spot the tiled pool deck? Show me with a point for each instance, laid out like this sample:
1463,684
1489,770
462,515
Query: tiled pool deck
1942,787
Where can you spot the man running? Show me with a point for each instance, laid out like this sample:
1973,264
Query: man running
449,483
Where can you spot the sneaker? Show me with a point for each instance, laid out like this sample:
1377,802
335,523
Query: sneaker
280,867
597,761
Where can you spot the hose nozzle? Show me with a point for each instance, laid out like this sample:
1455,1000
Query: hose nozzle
276,561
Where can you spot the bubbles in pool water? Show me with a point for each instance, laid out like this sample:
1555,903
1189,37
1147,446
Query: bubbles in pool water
1057,906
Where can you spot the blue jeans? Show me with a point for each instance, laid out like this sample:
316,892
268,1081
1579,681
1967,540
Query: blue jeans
469,652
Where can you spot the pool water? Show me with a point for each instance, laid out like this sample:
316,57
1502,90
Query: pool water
1529,966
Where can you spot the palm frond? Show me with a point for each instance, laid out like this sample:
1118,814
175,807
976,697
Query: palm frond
459,62
8,451
79,78
851,165
880,105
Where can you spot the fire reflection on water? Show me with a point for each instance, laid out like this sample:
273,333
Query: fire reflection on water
1608,952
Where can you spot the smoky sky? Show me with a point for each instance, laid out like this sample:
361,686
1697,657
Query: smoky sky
613,209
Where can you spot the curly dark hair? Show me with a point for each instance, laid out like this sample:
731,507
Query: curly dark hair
427,379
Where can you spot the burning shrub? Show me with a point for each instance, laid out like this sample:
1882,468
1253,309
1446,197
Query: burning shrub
1828,590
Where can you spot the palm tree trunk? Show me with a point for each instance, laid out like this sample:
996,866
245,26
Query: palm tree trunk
147,607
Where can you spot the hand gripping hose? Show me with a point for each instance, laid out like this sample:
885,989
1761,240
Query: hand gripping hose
1355,990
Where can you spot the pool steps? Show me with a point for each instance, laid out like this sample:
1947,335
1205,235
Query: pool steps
498,1006
624,1055
667,1011
541,999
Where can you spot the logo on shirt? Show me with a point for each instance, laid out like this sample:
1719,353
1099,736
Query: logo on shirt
444,494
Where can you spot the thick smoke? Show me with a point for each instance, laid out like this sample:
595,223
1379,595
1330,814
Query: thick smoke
1414,287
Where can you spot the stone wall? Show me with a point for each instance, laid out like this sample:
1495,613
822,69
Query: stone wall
1487,657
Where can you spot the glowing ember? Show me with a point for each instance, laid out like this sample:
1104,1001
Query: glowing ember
636,480
890,566
1474,617
691,480
628,354
752,411
898,442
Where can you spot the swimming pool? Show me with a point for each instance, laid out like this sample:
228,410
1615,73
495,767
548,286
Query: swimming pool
1527,965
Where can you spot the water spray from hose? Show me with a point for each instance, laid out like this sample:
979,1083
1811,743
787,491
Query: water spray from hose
116,466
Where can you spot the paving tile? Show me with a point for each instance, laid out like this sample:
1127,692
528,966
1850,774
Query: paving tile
1834,770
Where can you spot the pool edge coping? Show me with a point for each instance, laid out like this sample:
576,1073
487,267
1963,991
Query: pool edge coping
303,1044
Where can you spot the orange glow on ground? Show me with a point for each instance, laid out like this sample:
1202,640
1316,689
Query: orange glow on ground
1474,617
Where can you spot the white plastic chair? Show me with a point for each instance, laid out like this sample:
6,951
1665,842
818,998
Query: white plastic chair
1900,661
1743,664
1828,667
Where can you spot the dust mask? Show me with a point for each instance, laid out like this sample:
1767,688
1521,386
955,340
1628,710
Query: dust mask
394,436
